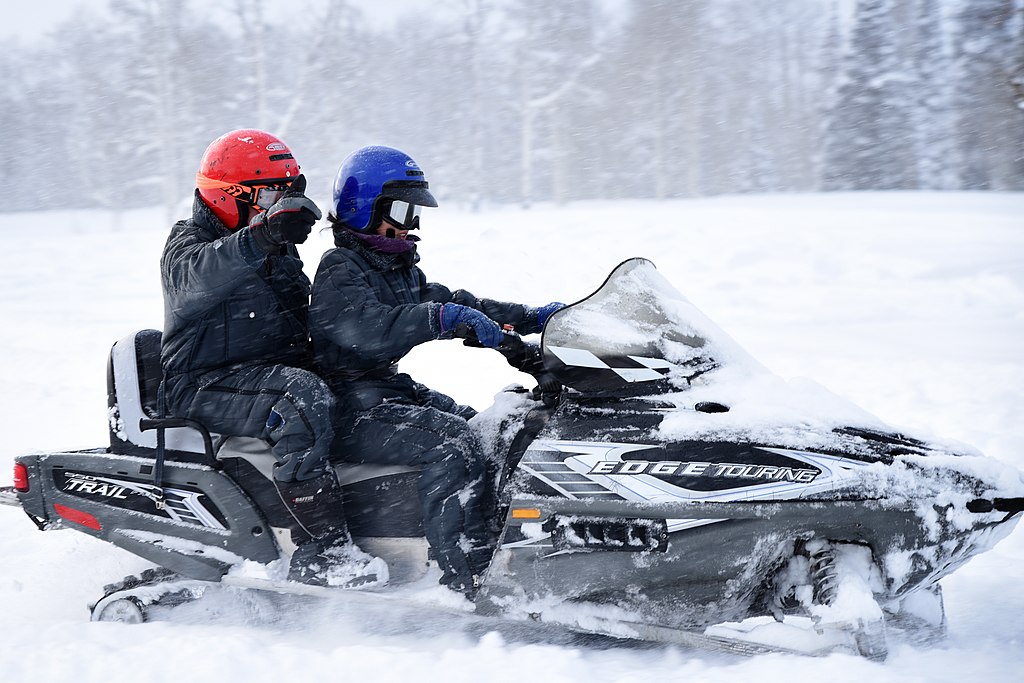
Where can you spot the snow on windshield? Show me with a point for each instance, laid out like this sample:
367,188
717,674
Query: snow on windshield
637,313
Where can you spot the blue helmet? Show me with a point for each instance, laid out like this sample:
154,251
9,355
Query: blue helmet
371,175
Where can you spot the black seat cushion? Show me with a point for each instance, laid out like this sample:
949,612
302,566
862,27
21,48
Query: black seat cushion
147,356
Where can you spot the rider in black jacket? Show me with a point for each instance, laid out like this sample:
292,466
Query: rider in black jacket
371,304
236,353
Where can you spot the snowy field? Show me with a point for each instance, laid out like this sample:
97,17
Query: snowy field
909,304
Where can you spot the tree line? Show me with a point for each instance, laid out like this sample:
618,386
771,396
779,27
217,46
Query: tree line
522,101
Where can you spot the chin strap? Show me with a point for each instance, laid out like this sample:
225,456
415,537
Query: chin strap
243,214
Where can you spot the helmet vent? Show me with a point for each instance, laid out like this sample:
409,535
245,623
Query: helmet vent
414,173
278,157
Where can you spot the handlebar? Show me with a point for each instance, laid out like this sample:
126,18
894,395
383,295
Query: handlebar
522,355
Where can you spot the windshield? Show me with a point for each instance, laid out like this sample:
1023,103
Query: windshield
635,335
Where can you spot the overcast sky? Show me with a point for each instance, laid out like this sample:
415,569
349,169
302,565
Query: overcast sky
33,19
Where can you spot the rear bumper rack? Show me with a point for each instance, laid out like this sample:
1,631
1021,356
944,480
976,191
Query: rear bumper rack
8,496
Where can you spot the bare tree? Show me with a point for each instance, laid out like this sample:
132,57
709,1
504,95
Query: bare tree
990,55
528,100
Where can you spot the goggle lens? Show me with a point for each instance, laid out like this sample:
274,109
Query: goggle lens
403,214
267,195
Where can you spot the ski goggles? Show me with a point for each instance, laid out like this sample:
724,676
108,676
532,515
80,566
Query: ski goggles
267,195
263,195
402,214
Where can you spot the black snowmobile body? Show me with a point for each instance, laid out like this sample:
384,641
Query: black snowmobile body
651,486
638,479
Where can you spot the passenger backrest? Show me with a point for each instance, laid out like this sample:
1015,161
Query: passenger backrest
133,382
134,374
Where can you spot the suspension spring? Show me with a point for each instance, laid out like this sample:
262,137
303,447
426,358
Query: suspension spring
824,575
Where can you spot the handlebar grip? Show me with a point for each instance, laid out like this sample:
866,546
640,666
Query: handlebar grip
521,355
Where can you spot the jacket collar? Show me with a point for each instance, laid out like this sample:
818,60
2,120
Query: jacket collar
379,260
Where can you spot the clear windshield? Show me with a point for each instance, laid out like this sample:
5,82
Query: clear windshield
635,335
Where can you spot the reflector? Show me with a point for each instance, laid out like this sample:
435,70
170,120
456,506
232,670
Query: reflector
77,516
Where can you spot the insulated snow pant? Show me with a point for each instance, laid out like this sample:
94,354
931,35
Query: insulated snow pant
289,407
293,410
432,434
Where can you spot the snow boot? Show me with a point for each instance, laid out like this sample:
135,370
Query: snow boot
340,564
325,554
456,572
479,559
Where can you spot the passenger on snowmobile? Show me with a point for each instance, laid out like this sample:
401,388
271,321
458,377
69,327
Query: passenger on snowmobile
235,349
370,306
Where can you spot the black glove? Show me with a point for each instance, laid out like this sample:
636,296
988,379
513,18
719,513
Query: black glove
289,220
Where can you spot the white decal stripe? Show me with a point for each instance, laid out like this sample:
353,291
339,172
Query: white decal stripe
577,357
190,501
600,448
638,374
530,543
656,363
683,524
546,480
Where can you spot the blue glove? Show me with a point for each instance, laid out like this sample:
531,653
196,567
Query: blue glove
544,312
487,331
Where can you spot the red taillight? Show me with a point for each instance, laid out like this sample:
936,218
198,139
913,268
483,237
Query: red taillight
20,478
77,516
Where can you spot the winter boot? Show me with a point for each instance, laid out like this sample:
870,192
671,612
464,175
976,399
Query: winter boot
340,564
479,559
324,553
456,572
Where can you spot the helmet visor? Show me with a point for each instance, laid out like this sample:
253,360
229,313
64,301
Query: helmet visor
403,214
413,191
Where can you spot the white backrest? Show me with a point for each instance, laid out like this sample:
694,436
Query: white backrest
128,409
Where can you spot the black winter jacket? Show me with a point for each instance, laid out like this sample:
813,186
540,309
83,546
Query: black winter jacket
226,303
369,309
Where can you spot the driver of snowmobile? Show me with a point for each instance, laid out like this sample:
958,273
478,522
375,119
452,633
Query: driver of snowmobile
371,304
235,349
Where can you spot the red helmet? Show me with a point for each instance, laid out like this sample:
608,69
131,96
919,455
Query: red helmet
236,167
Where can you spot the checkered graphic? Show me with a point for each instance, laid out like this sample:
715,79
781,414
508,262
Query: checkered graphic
629,368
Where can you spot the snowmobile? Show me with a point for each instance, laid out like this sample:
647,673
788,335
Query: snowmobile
657,484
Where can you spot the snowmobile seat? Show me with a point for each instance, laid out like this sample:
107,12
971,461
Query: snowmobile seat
134,374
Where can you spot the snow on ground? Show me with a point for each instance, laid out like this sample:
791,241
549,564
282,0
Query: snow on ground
909,304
